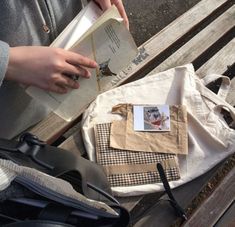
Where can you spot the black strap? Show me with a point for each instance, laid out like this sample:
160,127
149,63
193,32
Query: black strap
29,145
103,193
179,210
55,212
37,223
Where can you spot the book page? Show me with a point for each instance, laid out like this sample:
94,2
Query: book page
111,13
78,26
114,48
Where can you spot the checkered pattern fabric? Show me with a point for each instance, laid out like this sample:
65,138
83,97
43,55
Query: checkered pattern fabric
108,156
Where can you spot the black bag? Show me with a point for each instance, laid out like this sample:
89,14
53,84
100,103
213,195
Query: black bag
86,177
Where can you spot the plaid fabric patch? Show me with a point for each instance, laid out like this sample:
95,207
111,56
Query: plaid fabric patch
108,157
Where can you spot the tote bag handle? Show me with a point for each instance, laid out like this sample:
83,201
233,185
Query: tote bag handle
218,100
224,87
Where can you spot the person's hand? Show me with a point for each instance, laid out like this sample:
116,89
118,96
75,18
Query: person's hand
47,67
105,4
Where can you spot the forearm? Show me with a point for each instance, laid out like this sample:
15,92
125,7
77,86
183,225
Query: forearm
4,58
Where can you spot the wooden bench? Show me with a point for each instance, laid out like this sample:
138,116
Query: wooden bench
205,36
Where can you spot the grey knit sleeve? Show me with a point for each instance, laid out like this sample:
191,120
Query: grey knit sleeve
4,57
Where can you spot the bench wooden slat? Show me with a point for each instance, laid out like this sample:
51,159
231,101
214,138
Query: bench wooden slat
231,95
201,42
219,62
50,128
216,204
53,126
129,202
162,214
74,143
228,218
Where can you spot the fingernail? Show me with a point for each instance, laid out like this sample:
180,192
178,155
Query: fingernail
88,74
76,85
63,90
95,64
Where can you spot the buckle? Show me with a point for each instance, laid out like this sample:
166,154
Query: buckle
30,145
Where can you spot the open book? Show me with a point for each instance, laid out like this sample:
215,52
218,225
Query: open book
101,36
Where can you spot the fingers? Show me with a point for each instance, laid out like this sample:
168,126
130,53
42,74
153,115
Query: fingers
65,81
79,60
59,84
121,9
58,89
104,4
68,63
76,70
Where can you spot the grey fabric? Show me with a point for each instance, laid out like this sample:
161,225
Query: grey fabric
21,23
15,190
53,188
4,49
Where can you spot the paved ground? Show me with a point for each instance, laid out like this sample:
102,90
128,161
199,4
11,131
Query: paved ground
147,17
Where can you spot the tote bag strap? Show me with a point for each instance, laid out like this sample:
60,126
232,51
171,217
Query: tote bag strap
218,109
224,87
219,101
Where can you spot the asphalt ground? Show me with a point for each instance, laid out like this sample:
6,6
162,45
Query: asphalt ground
147,17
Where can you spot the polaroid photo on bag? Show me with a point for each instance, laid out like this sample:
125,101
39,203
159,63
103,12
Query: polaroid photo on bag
151,117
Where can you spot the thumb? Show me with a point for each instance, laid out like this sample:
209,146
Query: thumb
104,4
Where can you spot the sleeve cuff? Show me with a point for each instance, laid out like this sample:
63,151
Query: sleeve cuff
4,58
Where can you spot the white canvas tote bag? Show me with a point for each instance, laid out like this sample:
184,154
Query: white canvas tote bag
210,139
